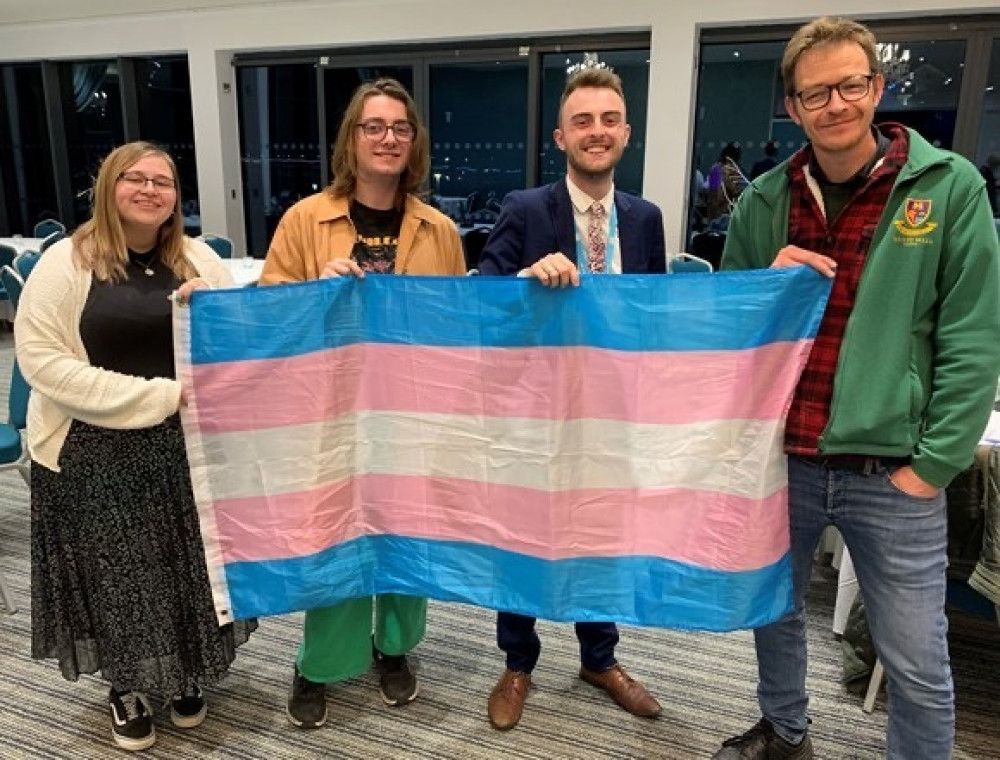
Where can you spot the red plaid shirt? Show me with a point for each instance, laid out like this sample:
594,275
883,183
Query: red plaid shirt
845,239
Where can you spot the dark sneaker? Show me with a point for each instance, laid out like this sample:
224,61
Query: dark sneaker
396,682
761,743
131,720
188,709
306,702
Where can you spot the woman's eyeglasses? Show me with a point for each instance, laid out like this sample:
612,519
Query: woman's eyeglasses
138,181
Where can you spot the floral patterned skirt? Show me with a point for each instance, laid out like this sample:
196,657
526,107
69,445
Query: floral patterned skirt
118,577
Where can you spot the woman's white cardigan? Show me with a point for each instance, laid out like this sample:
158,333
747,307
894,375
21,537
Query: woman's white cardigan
53,360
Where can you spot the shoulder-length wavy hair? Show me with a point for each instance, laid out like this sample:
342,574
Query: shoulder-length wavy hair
99,243
344,162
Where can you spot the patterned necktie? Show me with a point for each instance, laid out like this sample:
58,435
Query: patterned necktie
596,238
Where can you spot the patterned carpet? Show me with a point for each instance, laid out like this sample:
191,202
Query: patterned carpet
705,683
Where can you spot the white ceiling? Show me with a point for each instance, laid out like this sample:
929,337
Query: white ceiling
37,11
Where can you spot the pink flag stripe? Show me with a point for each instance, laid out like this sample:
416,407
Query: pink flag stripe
702,528
592,383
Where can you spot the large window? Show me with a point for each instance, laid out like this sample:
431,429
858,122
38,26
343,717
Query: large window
490,112
280,143
92,122
60,119
479,130
988,146
25,162
163,90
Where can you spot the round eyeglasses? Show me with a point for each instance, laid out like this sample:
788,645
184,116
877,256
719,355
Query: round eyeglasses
850,90
377,129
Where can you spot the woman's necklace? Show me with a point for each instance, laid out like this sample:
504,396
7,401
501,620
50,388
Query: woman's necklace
144,263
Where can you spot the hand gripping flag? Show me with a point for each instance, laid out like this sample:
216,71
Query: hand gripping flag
606,452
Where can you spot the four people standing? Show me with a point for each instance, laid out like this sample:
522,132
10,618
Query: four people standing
888,410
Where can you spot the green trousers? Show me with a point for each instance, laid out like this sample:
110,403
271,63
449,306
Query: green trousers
337,641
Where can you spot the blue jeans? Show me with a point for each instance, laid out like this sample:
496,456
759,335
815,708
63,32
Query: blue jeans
899,547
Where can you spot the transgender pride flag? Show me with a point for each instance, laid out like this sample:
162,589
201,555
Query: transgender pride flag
607,452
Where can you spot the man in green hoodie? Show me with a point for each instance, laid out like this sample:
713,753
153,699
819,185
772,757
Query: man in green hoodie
899,384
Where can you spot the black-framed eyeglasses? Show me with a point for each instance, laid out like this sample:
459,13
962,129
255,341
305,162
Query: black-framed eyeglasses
850,90
376,129
138,180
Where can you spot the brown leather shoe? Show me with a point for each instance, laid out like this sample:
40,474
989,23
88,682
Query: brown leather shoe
507,699
631,695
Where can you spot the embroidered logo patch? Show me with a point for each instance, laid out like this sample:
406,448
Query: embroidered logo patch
916,221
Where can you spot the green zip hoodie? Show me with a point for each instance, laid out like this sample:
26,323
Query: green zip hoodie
918,365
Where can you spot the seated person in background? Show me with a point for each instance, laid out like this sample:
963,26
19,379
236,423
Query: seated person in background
725,183
368,221
988,170
580,222
767,163
118,577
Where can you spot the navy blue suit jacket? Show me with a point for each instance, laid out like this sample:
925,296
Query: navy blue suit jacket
534,223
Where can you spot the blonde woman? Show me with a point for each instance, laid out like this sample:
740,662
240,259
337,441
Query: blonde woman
119,584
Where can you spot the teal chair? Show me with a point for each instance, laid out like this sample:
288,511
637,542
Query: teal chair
25,262
223,246
47,226
7,255
686,263
50,240
12,284
13,454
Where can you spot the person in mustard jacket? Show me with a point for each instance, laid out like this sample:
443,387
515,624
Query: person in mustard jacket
369,221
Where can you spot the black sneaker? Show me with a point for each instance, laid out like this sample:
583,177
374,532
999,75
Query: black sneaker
306,702
131,720
761,743
396,682
188,709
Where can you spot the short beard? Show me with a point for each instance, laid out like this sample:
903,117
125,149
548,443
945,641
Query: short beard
590,174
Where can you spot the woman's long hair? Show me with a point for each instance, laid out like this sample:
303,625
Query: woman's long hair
99,243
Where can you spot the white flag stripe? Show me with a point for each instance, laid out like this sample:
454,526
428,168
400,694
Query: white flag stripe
727,456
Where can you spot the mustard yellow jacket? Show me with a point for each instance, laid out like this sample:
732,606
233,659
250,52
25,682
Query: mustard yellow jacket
319,229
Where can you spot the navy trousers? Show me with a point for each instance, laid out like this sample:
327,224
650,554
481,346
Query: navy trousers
517,637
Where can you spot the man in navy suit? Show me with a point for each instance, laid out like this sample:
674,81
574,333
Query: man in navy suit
553,233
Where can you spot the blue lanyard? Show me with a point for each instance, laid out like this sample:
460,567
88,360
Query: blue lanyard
610,245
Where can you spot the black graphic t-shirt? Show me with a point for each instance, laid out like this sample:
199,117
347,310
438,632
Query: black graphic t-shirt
378,235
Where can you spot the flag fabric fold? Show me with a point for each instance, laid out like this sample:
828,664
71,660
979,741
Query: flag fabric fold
606,452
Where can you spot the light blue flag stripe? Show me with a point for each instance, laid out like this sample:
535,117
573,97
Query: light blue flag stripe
638,590
624,312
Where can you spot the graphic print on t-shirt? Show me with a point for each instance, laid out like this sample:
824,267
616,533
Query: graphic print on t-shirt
375,254
378,235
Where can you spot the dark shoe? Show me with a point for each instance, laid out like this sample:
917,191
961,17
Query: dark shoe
396,682
306,702
631,695
188,709
507,699
761,743
131,720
